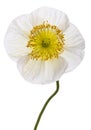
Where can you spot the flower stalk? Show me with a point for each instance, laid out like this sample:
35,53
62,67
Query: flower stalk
45,105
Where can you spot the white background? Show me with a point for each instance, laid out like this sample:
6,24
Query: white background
20,101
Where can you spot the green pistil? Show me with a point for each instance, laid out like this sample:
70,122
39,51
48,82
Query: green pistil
45,42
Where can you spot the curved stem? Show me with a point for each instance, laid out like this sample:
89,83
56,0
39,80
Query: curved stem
45,105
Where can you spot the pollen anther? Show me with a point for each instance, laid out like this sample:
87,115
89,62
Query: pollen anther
46,42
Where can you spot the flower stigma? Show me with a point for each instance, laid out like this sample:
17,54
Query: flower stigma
46,42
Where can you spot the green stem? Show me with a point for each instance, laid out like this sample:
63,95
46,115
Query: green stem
45,105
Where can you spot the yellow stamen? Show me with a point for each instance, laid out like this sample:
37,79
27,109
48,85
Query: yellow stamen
46,42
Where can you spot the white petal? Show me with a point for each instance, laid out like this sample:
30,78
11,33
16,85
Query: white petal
73,38
41,72
53,16
35,18
22,23
74,47
17,37
73,57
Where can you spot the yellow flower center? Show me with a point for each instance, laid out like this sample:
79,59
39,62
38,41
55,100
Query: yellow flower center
46,42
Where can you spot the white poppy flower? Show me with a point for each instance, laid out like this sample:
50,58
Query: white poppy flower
44,44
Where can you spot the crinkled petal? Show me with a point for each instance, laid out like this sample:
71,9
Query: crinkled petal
74,47
73,38
35,18
42,72
17,37
53,16
73,58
